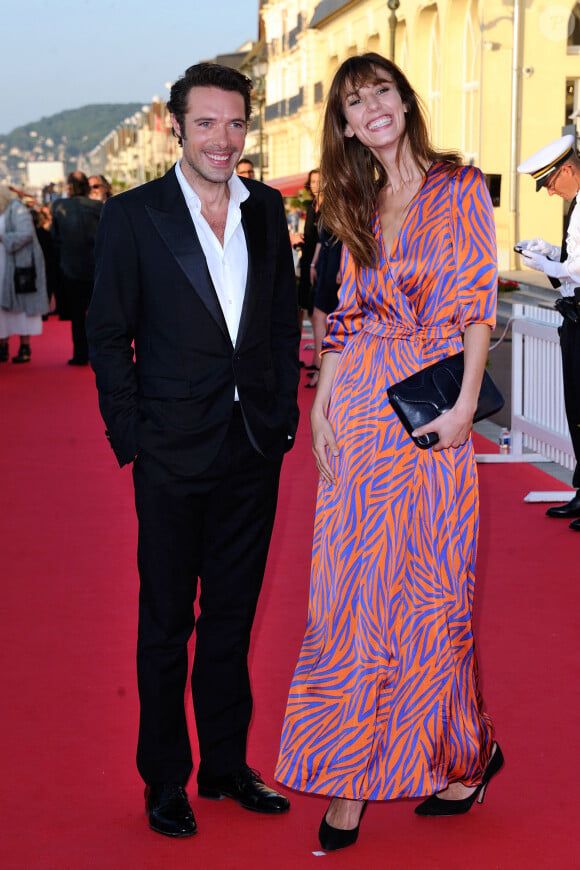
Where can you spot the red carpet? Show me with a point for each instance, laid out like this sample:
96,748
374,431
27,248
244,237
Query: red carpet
71,796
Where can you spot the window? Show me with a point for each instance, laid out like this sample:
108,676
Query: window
572,110
574,30
493,183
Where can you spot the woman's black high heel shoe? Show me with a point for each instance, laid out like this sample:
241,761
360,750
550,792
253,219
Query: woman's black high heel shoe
332,839
436,806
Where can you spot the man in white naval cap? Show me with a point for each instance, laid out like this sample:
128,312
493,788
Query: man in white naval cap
557,168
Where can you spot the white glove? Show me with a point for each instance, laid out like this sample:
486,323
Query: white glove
539,246
543,264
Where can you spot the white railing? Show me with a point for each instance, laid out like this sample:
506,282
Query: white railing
538,420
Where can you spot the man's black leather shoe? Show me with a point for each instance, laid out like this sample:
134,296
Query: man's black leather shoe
566,511
169,811
575,525
245,787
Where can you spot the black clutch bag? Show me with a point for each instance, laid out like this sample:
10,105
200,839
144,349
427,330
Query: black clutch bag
425,395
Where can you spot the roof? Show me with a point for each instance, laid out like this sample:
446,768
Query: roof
326,8
235,59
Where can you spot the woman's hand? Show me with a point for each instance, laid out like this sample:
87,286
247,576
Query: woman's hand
323,443
323,440
453,428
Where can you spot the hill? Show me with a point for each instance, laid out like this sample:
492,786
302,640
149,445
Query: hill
68,134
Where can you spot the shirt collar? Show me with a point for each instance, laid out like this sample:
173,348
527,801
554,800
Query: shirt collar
238,190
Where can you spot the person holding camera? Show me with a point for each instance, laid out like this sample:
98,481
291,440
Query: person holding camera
557,168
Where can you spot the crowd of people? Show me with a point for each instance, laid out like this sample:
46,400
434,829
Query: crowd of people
65,226
47,262
193,331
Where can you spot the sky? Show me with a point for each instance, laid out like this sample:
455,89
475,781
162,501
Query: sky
64,54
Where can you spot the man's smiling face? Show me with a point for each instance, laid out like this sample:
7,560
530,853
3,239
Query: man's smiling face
213,133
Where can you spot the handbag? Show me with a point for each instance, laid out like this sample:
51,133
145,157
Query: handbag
429,392
24,279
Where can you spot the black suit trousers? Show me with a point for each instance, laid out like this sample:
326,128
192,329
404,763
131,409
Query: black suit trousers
76,300
570,347
215,527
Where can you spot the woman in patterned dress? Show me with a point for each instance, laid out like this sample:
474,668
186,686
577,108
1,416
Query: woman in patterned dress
385,702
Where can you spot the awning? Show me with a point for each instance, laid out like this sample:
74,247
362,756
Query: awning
289,185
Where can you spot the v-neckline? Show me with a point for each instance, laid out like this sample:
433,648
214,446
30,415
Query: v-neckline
389,258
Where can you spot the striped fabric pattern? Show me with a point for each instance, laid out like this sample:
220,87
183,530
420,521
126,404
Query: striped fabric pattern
385,701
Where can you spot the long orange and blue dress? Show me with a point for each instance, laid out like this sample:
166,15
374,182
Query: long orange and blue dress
385,701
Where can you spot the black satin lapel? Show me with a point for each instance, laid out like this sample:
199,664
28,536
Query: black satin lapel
253,223
178,232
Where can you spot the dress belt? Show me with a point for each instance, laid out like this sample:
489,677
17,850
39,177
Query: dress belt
410,333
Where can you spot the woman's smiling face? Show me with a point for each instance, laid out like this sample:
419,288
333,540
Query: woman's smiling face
374,112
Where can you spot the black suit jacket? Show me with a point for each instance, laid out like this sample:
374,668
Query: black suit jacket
74,226
174,398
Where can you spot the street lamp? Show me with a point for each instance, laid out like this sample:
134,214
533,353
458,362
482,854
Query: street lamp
393,6
259,70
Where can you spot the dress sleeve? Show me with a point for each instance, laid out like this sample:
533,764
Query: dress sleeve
346,319
475,248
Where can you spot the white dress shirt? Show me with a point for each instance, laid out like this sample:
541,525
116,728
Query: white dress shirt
571,278
228,265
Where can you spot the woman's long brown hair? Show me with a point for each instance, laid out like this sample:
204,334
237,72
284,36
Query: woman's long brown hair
351,176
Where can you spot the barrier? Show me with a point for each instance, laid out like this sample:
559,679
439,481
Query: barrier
539,429
538,420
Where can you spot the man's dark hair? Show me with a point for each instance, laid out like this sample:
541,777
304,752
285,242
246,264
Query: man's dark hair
245,160
79,183
207,75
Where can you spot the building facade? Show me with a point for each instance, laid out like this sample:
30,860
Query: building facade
499,80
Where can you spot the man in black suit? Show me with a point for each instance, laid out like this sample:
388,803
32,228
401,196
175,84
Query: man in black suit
196,269
73,229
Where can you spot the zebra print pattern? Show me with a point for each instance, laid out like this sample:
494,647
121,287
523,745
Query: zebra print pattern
385,701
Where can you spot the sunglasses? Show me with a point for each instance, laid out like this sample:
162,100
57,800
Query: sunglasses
550,184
